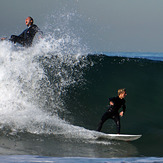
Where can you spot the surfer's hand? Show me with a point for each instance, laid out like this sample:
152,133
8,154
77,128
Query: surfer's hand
121,113
111,103
3,38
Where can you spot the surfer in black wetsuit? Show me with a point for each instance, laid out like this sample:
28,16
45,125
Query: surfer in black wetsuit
113,111
26,37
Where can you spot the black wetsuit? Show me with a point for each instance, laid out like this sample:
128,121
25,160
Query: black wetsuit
113,113
26,37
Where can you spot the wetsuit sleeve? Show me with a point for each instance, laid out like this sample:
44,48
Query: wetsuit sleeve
112,99
124,106
40,32
22,34
37,29
33,31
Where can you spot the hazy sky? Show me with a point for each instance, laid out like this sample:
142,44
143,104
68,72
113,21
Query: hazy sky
105,25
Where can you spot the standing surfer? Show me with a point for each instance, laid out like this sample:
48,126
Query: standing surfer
113,112
26,37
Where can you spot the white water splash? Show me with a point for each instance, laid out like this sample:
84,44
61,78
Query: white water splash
27,94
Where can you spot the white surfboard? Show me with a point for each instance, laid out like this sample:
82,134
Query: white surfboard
122,137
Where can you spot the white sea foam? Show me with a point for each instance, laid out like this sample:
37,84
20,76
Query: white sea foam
29,100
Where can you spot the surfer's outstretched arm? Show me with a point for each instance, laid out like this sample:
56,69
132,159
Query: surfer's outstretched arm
3,38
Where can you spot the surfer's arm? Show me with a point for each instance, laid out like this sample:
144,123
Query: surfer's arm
111,101
124,107
4,38
123,111
22,34
40,33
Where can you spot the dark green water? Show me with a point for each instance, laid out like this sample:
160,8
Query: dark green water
143,80
52,106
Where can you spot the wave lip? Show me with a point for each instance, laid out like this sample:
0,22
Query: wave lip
146,55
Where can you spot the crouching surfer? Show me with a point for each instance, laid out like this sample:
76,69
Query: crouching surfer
113,111
26,37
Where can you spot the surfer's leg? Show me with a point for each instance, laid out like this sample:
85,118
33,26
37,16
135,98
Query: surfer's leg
103,119
100,126
17,39
118,124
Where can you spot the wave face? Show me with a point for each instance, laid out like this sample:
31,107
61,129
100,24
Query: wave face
54,92
142,78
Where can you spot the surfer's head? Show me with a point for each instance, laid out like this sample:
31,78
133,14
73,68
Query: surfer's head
29,21
122,93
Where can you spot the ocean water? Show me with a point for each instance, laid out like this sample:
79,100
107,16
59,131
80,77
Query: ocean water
53,94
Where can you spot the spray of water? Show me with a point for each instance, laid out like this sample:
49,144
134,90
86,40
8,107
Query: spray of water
34,80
